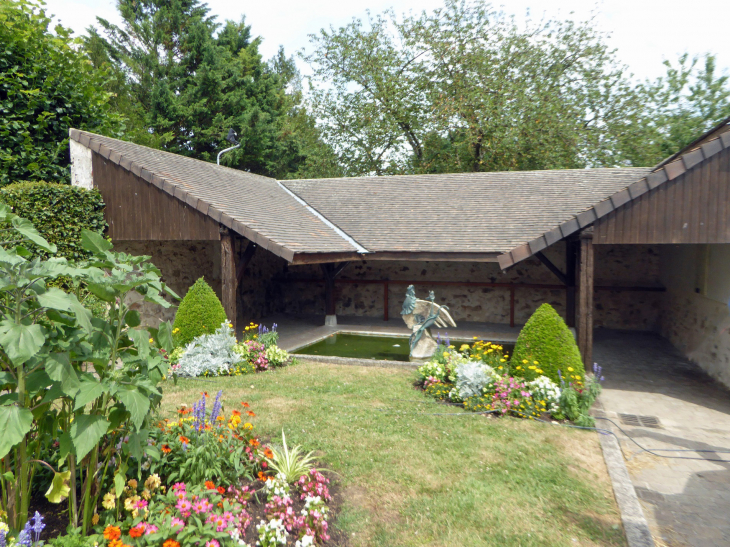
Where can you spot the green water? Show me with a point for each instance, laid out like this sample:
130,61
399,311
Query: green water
389,348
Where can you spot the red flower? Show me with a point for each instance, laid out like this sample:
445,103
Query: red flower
209,485
221,490
250,413
166,448
245,405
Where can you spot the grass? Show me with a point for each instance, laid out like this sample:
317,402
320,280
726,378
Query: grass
418,473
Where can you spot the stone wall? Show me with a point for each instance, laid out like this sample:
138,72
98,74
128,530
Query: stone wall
183,262
695,316
626,265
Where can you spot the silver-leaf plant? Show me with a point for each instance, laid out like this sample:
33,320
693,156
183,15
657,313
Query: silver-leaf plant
472,377
211,353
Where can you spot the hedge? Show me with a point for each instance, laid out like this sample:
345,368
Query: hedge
200,312
59,212
546,338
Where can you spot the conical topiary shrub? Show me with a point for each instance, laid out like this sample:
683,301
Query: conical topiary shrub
545,338
200,312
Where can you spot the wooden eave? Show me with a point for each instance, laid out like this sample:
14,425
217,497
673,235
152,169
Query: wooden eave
175,191
322,258
659,176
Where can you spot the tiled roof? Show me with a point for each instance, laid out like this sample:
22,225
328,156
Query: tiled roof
256,207
459,213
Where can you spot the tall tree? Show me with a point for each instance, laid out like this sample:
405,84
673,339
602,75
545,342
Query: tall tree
192,79
688,100
46,86
466,88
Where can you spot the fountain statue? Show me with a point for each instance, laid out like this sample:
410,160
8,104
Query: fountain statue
420,316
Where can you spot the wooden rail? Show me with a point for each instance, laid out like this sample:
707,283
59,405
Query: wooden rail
512,287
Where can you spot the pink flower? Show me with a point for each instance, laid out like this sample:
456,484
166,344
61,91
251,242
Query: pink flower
177,522
212,543
184,507
179,486
151,529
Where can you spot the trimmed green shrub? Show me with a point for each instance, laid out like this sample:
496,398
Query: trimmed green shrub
59,212
200,312
545,338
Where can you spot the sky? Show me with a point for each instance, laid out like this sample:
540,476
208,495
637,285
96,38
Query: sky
644,32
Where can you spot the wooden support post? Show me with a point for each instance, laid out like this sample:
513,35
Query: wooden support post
512,306
245,259
585,298
570,255
385,300
331,271
229,282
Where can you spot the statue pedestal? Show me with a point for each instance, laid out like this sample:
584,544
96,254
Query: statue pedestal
425,347
330,320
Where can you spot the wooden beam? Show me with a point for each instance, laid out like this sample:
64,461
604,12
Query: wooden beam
552,267
331,271
570,260
322,258
585,298
228,277
245,259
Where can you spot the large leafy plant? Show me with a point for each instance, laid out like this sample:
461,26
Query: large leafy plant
86,381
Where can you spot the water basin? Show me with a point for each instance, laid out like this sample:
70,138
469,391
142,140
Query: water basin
359,346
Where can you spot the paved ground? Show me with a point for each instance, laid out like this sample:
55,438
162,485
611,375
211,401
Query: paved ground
686,501
298,331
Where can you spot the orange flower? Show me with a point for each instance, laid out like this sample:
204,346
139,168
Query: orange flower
236,412
112,533
204,393
262,477
166,448
136,531
250,413
268,453
253,442
221,490
209,485
116,543
170,543
184,439
220,504
245,405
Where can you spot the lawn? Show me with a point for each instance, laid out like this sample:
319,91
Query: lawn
413,471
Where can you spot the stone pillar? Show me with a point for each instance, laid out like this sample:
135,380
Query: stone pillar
331,271
585,298
229,282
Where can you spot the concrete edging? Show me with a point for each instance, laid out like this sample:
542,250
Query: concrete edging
382,363
636,527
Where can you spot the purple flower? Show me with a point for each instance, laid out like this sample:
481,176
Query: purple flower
25,536
37,526
216,407
3,542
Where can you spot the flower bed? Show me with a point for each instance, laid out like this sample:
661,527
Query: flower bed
205,480
478,377
220,354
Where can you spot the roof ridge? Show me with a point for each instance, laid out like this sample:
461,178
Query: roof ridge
659,176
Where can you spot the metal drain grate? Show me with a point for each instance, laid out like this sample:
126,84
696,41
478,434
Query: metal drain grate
640,421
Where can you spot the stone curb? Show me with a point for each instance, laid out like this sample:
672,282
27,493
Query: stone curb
635,525
355,362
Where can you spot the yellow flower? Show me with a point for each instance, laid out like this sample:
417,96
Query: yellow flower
95,519
570,369
475,337
152,340
525,361
539,371
146,494
153,482
109,502
464,347
130,502
502,360
446,354
132,483
532,367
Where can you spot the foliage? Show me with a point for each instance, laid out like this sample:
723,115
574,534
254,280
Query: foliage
48,87
473,377
576,399
203,445
466,88
690,99
59,212
210,354
190,79
66,375
73,539
200,312
545,338
192,514
291,464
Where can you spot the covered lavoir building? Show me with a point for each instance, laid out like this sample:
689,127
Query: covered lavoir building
626,248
